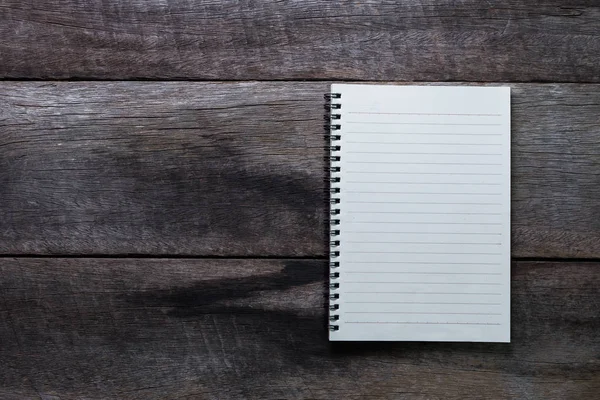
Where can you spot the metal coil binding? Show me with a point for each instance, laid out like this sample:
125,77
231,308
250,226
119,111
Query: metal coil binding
333,158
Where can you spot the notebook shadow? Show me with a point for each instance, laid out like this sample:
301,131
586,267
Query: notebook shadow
298,333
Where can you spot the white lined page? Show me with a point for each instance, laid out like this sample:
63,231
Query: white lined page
424,213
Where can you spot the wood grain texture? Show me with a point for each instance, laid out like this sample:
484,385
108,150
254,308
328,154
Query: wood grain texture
162,168
469,40
255,329
237,169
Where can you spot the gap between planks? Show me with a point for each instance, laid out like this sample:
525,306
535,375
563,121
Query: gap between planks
216,257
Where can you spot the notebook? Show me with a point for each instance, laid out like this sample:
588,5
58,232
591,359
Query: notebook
420,213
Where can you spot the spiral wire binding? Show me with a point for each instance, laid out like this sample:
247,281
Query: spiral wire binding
332,124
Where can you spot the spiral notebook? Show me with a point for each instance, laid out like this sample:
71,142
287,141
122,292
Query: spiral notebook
420,213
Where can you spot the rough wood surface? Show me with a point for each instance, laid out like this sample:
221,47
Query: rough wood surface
232,329
237,169
469,40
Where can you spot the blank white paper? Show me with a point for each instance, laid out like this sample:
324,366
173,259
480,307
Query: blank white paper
424,213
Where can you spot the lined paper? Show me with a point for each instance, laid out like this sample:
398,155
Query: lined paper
424,213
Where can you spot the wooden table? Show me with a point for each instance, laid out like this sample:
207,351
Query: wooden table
162,196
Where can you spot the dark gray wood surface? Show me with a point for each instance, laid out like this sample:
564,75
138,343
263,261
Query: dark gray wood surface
221,329
237,169
99,178
470,40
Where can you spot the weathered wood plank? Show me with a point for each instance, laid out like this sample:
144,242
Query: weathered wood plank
228,329
162,168
469,40
237,169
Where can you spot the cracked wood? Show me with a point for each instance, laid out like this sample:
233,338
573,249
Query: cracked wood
237,169
256,329
471,40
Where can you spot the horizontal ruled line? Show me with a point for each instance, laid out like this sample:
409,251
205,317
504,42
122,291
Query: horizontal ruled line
415,113
403,242
441,193
420,323
422,202
418,252
422,302
458,293
431,233
421,213
418,123
426,223
422,153
420,262
429,183
425,133
423,143
426,173
429,283
422,273
418,313
420,163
